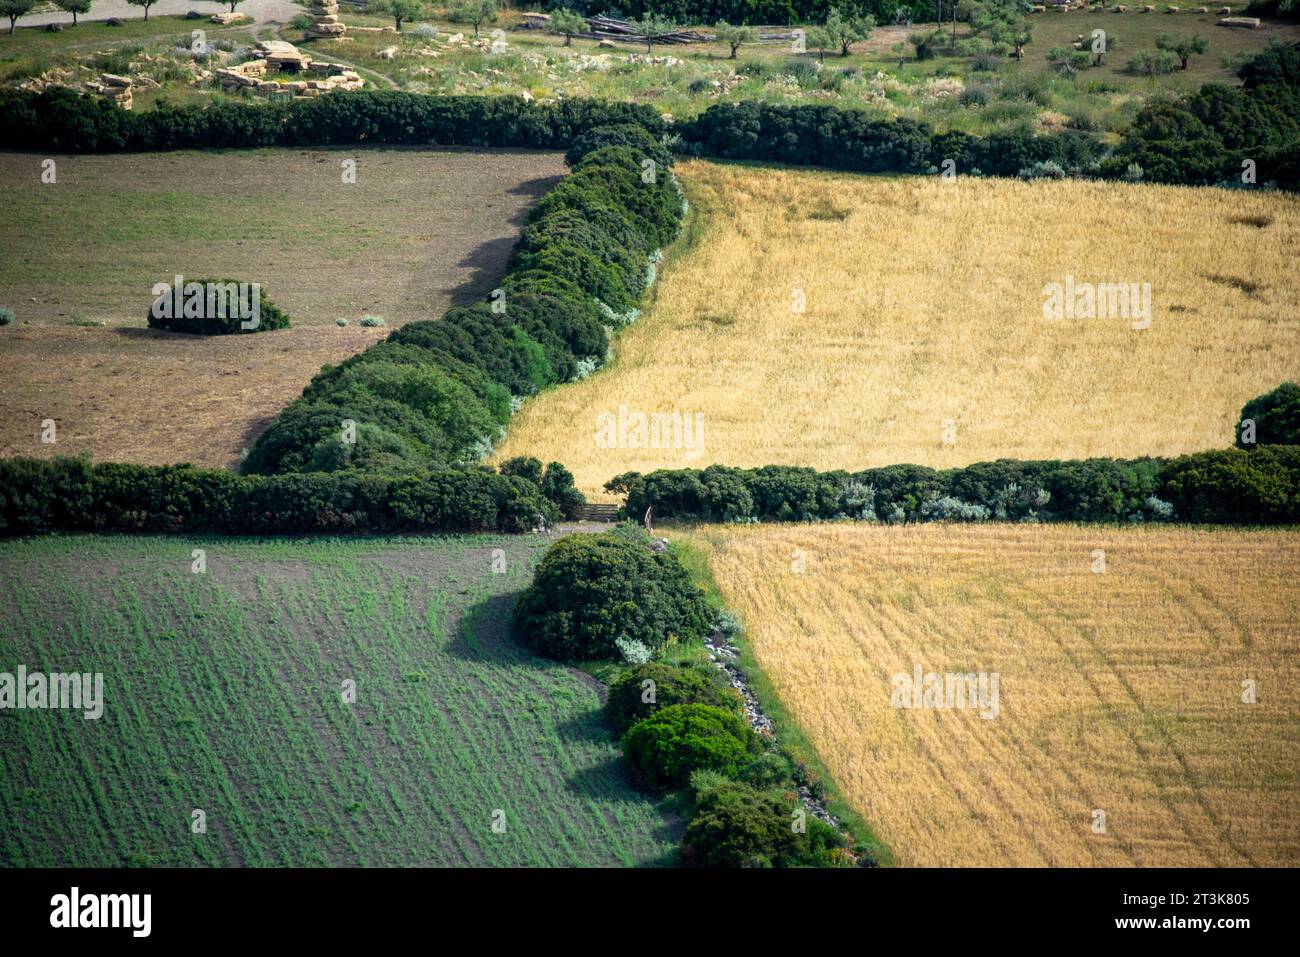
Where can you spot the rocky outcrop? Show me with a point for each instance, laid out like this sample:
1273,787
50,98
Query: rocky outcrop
276,57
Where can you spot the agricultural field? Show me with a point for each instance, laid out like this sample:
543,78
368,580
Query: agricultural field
922,336
417,232
1121,685
223,692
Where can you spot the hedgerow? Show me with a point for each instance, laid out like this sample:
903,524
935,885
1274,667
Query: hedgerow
72,495
439,392
1224,486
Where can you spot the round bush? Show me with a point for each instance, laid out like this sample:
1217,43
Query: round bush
684,684
1276,416
665,749
735,825
591,590
219,310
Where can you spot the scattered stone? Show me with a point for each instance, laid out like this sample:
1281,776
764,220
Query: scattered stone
1243,23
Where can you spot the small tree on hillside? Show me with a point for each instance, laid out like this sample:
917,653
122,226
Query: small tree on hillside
73,7
568,23
734,36
1182,46
1004,22
143,3
1151,64
402,11
844,32
13,9
474,12
820,40
651,26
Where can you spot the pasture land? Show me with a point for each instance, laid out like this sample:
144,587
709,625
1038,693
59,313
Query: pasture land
923,338
418,231
1119,691
223,692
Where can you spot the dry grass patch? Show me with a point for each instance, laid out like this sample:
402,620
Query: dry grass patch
924,304
1119,691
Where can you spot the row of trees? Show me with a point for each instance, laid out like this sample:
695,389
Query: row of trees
13,9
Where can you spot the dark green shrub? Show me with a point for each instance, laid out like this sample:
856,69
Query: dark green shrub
591,590
665,749
632,135
670,685
1234,486
558,487
1276,417
735,825
215,307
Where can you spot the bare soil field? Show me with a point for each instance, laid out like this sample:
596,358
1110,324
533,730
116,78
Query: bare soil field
1123,684
417,232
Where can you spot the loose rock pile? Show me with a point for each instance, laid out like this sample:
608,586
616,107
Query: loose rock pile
116,89
325,23
276,56
724,658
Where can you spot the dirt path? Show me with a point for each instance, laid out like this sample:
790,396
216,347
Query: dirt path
262,11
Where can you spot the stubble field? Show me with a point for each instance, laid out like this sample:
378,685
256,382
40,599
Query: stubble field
843,321
1120,684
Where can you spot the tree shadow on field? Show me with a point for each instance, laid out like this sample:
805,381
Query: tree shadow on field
487,261
481,632
484,632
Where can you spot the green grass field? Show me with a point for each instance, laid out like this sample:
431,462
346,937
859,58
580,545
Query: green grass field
223,692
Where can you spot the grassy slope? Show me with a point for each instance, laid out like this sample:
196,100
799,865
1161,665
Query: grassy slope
223,693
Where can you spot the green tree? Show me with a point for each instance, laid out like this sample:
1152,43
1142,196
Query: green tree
73,7
1182,46
1003,22
232,3
1152,64
143,3
734,36
651,26
820,41
13,9
474,12
1274,418
568,23
402,11
844,31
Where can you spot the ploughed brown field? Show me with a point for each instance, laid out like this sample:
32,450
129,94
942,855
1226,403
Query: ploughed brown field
417,232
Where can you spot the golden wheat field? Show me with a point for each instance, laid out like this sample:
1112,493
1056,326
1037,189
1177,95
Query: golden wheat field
1120,684
923,308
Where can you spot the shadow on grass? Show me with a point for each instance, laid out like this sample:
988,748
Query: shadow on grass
484,634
